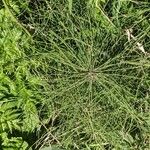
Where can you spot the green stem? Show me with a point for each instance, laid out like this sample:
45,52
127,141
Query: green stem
7,7
103,13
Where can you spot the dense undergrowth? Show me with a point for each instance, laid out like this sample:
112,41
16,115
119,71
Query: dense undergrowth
75,75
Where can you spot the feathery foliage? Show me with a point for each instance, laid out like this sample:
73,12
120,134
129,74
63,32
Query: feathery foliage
79,78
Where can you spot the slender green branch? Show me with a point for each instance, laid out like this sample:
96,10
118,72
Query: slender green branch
8,8
103,13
